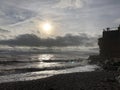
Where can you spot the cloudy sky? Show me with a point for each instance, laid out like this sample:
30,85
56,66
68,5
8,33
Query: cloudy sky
65,16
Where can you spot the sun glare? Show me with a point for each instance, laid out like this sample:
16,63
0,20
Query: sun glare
47,27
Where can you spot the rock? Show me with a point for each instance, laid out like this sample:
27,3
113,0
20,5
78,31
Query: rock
118,79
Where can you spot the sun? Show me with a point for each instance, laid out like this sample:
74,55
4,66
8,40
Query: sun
47,27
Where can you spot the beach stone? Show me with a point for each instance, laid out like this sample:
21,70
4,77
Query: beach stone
118,79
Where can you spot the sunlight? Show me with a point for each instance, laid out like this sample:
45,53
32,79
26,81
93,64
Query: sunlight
45,57
46,28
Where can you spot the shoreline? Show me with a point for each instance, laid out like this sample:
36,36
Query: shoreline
95,80
44,74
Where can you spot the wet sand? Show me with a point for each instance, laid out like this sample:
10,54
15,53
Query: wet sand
97,80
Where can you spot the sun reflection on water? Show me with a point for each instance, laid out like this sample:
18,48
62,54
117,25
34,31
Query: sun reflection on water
44,64
45,57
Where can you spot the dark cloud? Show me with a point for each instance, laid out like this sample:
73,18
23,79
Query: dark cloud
67,40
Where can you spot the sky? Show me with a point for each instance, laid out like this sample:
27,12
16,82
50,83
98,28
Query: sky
23,18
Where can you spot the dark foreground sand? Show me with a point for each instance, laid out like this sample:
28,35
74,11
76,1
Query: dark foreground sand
98,80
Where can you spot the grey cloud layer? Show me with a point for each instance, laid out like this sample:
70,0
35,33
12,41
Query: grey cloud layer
70,4
4,31
67,40
11,14
71,15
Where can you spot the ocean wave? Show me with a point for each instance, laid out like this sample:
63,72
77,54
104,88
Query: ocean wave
43,74
25,70
16,61
32,61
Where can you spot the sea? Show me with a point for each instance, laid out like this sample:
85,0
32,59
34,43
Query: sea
24,65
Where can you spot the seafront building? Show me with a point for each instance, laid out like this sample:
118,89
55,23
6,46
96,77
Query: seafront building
109,43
